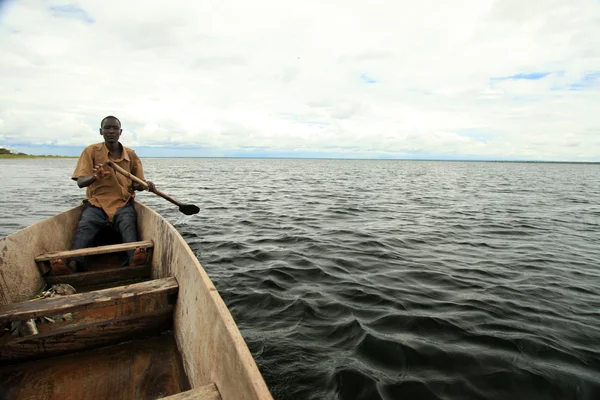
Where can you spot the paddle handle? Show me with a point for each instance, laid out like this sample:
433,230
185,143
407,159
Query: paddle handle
141,182
167,197
127,174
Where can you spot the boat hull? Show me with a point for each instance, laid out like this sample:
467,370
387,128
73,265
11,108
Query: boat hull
210,344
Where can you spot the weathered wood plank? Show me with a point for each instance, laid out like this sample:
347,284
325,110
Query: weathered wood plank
94,316
70,339
85,288
141,370
101,277
81,301
113,248
207,392
20,279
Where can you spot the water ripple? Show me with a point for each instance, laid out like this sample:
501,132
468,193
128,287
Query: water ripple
385,279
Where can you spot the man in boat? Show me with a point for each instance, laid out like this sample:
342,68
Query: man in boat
109,195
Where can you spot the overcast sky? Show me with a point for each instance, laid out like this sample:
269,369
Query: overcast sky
461,79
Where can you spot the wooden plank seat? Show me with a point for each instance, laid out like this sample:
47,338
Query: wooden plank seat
206,392
95,319
89,251
105,252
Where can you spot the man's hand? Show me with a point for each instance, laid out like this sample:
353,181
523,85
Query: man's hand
137,186
100,172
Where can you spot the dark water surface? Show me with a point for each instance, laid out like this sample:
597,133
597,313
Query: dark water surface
384,279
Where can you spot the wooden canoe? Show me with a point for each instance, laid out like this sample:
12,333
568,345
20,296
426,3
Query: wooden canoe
160,330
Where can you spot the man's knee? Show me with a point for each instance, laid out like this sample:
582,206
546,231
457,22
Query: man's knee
126,223
91,221
93,216
126,215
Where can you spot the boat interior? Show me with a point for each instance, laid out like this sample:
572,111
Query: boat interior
110,339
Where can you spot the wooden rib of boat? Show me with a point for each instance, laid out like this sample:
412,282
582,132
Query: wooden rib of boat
159,330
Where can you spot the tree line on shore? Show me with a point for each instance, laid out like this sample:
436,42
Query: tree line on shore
6,153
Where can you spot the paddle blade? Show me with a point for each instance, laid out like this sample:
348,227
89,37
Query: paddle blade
189,209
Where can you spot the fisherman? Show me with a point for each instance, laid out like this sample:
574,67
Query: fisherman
109,196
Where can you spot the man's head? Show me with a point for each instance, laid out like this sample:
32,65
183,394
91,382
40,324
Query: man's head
110,129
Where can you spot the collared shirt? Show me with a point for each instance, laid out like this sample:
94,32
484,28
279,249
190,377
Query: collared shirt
114,191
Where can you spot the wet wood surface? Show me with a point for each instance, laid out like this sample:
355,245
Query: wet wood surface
101,276
207,392
70,339
77,302
113,248
142,369
89,316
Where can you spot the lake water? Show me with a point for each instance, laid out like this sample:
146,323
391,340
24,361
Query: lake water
383,279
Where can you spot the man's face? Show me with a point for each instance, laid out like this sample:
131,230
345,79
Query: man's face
111,130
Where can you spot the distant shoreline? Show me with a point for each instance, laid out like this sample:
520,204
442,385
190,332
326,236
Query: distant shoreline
14,156
6,153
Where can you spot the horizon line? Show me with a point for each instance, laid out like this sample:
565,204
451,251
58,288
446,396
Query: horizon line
380,159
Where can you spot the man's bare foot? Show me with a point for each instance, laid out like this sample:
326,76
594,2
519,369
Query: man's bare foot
139,257
58,267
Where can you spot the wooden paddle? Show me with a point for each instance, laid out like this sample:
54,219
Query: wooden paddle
187,209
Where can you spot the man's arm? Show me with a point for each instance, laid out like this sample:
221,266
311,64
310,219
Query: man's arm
85,181
85,172
98,173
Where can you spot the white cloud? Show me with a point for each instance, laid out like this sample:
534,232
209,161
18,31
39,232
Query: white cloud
294,76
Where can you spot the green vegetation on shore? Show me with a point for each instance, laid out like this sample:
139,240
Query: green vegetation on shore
5,153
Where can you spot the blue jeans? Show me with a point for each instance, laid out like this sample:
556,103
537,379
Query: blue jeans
94,218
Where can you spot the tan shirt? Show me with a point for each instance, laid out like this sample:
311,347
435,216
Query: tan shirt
114,191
